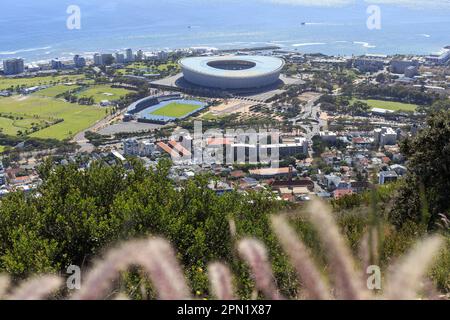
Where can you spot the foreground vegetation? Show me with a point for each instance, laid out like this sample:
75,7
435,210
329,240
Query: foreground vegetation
75,214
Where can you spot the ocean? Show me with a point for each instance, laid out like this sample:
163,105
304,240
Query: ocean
37,31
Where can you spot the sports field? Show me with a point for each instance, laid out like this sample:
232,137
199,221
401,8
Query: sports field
33,111
390,105
54,91
103,92
6,83
176,110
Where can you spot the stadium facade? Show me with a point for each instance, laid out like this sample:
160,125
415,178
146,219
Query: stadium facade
232,72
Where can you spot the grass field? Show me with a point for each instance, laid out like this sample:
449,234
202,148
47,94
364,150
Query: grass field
6,83
103,92
40,109
54,91
176,110
390,105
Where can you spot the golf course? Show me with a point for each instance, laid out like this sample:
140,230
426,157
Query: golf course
45,117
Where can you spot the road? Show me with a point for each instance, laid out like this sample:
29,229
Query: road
80,138
310,115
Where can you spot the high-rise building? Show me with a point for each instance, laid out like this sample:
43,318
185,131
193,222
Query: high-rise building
107,59
129,55
162,55
140,55
98,59
120,57
57,64
13,66
79,61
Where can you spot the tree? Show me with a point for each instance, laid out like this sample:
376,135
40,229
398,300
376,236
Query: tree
425,192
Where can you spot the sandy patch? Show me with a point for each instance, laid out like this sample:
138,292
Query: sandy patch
231,107
308,96
21,98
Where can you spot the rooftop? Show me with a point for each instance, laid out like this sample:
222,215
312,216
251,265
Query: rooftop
252,65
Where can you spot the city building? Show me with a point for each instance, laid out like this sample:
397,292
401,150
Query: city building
387,176
385,136
328,136
369,63
107,59
57,64
79,61
129,57
439,59
400,66
411,71
266,173
120,57
98,59
133,147
285,149
162,55
13,66
140,55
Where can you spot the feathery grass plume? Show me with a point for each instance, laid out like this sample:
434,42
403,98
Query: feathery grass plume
4,285
404,282
255,254
221,281
443,222
232,227
347,281
121,296
368,248
39,288
364,251
159,260
100,277
301,259
155,255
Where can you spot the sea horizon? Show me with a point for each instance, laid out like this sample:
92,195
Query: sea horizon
40,34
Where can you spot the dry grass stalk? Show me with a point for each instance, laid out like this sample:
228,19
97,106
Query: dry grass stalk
221,281
39,288
155,255
307,271
347,281
404,282
255,254
4,285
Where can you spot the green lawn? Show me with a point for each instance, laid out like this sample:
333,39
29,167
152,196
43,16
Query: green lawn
390,105
37,110
103,92
175,110
209,116
166,66
6,83
54,91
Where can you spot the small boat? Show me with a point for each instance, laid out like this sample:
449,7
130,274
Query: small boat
303,23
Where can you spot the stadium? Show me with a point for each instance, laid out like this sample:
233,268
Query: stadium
163,109
232,72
